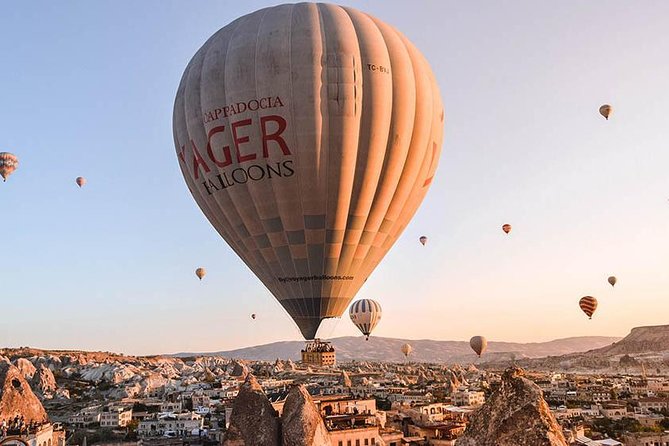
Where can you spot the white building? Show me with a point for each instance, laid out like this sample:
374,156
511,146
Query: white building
182,424
115,417
468,398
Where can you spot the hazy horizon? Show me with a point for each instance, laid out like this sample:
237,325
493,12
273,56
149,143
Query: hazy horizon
89,91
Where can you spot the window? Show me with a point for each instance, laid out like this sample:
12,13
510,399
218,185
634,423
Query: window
341,443
357,442
366,442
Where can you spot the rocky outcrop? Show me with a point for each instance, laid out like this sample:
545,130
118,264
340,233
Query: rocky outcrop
26,367
253,422
515,415
302,424
345,379
43,381
16,397
640,340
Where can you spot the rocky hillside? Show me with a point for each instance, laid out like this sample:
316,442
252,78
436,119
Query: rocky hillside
640,340
515,415
424,350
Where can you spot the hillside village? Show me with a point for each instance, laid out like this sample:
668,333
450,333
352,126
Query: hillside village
97,398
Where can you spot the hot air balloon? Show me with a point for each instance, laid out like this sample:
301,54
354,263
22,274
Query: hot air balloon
612,280
365,314
478,344
406,349
506,228
8,164
200,273
253,316
309,135
81,181
606,110
423,240
588,304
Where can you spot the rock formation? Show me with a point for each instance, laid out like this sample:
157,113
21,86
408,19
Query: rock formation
253,422
515,415
43,381
26,367
16,397
345,379
302,424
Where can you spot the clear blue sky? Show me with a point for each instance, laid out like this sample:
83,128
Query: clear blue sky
87,89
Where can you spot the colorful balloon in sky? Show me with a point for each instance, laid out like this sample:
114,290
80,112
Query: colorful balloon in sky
506,228
200,273
81,181
406,350
612,280
606,110
8,164
309,135
588,304
365,314
423,240
478,344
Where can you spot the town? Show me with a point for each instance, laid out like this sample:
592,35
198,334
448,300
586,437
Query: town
57,398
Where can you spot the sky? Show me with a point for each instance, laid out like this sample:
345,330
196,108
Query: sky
87,88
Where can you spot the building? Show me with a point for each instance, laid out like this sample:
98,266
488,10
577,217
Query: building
468,398
654,404
42,435
319,353
115,417
646,439
175,425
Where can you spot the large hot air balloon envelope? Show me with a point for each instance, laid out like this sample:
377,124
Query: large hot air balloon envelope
506,228
365,314
406,350
478,344
200,273
253,316
423,240
612,280
309,135
8,164
588,304
606,110
81,181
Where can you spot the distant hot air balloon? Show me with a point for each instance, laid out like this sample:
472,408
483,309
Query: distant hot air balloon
423,240
200,273
81,181
478,344
588,304
8,164
606,110
612,280
253,316
365,314
406,349
506,228
309,135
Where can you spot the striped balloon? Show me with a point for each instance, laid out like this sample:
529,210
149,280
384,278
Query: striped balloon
588,304
365,314
8,164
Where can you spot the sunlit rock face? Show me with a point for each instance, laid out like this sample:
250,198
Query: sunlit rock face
515,415
16,397
301,423
253,422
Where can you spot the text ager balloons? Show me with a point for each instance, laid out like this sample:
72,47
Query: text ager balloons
309,134
423,240
8,164
588,304
478,344
365,314
81,181
406,350
606,110
612,280
200,273
506,228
